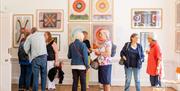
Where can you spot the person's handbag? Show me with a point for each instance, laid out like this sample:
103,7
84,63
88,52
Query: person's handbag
122,60
95,64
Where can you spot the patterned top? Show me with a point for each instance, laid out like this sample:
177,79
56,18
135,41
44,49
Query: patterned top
105,60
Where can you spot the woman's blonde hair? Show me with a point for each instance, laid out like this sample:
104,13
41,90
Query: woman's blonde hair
106,33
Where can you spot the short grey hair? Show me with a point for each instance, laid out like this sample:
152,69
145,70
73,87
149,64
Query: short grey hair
78,35
153,36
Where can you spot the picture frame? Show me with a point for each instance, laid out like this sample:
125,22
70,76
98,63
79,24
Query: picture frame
96,28
78,10
177,13
102,10
20,23
144,40
50,20
177,41
75,27
146,18
57,40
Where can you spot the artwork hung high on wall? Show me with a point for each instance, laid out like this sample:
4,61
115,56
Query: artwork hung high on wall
21,24
146,18
96,35
178,13
178,40
57,40
102,10
50,20
79,10
144,40
75,27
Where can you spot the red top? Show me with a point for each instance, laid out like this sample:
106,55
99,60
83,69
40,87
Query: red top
153,56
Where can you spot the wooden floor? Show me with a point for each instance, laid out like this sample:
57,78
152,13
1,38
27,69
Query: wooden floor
97,88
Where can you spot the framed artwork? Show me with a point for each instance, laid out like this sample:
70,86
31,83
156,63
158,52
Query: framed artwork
177,40
73,28
178,13
144,40
96,28
20,23
102,10
57,39
50,20
79,10
146,18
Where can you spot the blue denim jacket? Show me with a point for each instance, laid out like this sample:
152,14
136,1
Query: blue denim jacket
76,58
125,52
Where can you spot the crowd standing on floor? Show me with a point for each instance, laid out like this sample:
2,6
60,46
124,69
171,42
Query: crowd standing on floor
38,54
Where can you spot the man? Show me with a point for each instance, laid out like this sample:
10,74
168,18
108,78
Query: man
35,46
154,66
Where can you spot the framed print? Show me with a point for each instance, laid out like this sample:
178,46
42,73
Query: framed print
20,23
177,40
146,18
178,13
96,29
50,20
73,28
102,10
144,40
57,40
79,10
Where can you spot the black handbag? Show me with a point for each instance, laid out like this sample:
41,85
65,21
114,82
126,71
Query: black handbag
122,60
95,64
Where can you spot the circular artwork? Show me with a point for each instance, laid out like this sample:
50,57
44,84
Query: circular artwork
79,6
102,6
98,35
137,18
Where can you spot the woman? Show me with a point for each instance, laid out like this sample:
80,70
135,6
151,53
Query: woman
25,66
78,54
104,58
52,57
154,67
132,53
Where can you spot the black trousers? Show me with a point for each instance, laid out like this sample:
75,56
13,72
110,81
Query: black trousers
76,75
155,80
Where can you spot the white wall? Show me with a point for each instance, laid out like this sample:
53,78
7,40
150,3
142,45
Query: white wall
122,29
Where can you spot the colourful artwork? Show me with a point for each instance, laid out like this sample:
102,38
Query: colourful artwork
79,10
144,40
57,40
96,28
50,20
178,13
21,22
147,18
178,40
102,10
77,27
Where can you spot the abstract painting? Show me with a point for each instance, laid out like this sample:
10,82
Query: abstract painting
21,22
178,13
146,18
79,10
178,40
144,40
50,20
96,28
57,40
77,27
102,10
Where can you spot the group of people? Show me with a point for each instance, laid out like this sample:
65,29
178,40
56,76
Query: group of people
38,53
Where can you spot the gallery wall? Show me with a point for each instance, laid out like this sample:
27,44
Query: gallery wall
122,26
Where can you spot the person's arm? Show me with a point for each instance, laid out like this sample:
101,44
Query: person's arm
142,54
27,45
69,52
85,55
55,48
123,51
158,55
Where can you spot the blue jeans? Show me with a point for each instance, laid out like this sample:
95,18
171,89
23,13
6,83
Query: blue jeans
155,80
128,74
25,76
39,65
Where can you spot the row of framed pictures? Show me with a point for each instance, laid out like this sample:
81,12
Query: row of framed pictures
177,45
90,10
178,13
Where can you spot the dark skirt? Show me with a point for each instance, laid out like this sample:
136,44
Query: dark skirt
104,74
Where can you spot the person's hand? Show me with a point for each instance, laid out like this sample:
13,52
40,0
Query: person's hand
56,63
124,58
147,51
158,70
